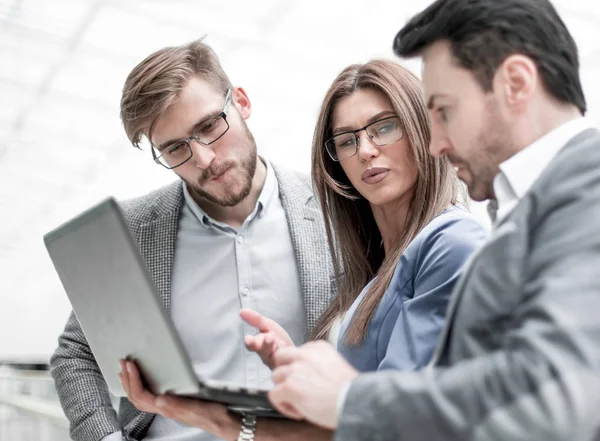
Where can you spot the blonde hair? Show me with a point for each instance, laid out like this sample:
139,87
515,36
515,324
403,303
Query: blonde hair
155,84
353,236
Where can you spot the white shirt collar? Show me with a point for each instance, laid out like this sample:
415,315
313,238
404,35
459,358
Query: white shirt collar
520,171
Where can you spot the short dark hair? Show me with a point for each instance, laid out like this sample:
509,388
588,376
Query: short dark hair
483,33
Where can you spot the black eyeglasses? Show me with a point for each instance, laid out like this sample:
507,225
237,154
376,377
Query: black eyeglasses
382,132
179,153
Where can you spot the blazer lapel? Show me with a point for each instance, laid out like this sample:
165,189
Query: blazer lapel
156,239
455,298
158,251
310,244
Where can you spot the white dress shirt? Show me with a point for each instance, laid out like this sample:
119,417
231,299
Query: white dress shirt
216,272
520,171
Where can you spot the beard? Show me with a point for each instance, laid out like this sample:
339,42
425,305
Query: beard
478,175
234,190
489,147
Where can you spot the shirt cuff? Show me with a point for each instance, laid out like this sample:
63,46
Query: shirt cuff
341,399
117,436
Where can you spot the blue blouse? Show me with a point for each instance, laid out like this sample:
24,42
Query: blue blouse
404,329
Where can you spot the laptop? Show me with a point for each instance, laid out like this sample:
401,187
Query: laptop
121,313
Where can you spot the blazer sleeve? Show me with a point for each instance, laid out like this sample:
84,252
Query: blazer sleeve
543,382
81,388
439,261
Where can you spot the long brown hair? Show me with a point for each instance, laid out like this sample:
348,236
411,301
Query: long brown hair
353,236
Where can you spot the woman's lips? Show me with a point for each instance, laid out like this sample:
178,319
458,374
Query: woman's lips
375,175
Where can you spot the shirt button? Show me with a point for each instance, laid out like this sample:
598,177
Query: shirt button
245,291
240,240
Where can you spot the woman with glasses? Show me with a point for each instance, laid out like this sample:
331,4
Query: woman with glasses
395,228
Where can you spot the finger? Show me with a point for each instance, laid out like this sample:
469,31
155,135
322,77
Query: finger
263,350
124,376
269,349
260,322
250,342
279,398
264,343
138,392
253,318
267,342
171,402
191,411
281,373
171,406
255,342
177,404
287,355
291,411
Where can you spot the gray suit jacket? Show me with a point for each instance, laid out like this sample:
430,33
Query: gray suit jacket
153,220
519,358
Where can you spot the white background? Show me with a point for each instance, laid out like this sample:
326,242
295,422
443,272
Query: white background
62,147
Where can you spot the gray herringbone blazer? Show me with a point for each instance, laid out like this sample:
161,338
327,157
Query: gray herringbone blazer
519,358
153,220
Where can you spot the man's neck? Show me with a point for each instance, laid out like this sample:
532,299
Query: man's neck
236,215
550,118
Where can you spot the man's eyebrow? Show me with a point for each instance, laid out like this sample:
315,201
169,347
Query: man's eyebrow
369,121
432,98
196,126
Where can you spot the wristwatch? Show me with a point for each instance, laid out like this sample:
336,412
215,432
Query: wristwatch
248,427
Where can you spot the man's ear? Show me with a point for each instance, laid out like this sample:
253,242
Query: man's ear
242,102
517,81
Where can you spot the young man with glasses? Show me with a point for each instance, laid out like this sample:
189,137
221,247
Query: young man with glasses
234,232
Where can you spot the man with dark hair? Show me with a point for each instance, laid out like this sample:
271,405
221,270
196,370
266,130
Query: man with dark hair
519,358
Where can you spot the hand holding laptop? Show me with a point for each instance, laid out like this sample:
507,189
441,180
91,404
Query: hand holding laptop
209,416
